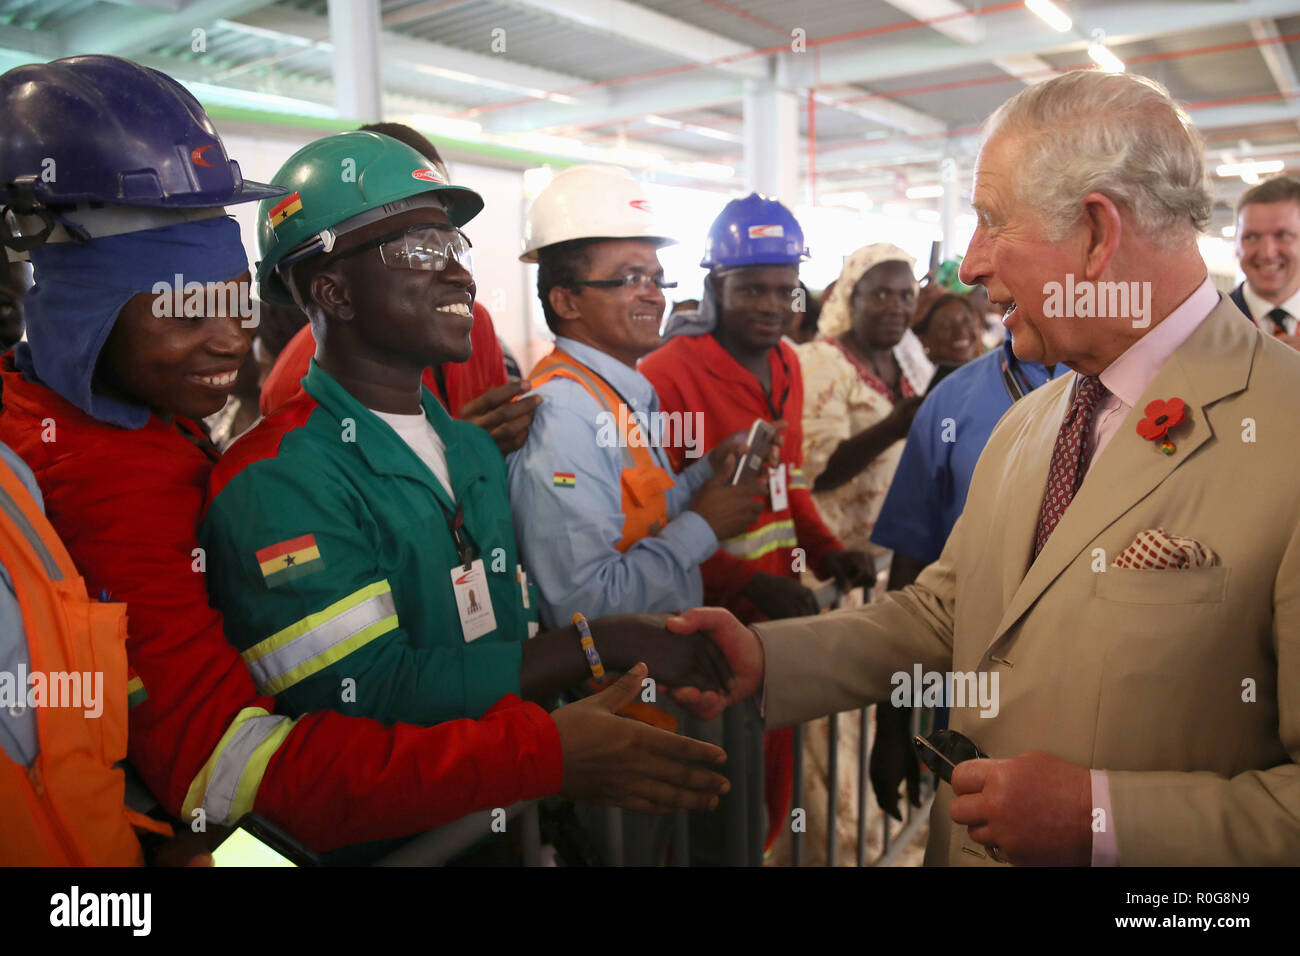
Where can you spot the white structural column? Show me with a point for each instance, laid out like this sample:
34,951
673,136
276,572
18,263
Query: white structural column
772,136
354,32
949,206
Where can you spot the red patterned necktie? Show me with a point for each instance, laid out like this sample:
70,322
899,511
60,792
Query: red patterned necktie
1067,458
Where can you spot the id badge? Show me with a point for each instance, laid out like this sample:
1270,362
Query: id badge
776,487
473,600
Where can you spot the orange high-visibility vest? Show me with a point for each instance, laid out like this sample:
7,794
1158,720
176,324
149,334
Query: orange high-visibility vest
644,481
65,809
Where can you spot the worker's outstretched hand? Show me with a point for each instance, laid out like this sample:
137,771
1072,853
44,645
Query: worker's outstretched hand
505,413
744,652
674,659
624,763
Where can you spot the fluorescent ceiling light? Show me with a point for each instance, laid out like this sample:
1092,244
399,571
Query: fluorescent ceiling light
666,123
851,198
1228,231
1102,55
715,171
445,125
1251,167
1050,14
924,192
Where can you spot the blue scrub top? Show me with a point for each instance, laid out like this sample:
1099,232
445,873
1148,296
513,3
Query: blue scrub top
947,436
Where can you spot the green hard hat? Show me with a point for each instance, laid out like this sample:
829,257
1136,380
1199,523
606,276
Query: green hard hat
337,179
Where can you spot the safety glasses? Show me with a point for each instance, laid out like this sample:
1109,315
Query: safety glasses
944,749
633,280
423,248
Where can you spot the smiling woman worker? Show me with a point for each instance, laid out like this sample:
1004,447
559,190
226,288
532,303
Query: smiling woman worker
100,403
863,379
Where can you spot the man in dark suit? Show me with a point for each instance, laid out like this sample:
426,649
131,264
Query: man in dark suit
1268,248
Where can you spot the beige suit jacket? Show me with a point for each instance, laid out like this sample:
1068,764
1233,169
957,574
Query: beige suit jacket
1183,684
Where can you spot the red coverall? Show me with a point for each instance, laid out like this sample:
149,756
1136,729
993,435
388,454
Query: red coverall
485,369
126,504
696,374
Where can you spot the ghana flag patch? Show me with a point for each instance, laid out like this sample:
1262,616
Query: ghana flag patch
285,208
564,479
135,692
290,559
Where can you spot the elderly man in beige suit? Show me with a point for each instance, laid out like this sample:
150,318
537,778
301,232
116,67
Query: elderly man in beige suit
1130,575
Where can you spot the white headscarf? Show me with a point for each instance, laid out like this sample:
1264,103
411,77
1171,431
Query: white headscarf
836,319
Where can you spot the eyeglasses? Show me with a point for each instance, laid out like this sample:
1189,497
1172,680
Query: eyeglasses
423,248
633,280
944,749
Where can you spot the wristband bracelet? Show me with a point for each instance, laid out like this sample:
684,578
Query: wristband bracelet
589,647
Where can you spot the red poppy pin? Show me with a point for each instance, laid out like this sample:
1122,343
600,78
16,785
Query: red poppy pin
1161,416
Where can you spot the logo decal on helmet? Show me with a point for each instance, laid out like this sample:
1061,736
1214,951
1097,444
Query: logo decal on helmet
642,204
766,232
429,176
196,156
285,208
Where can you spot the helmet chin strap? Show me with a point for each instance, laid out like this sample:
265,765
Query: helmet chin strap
83,223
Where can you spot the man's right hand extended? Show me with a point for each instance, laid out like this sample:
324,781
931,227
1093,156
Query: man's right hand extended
744,653
624,763
729,509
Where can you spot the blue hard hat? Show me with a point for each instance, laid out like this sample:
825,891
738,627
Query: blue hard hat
106,130
754,231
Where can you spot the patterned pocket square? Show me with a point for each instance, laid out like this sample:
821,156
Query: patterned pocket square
1156,550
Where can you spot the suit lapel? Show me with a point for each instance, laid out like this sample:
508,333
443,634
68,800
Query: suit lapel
1214,362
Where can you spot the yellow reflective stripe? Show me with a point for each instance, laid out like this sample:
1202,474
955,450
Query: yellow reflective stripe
785,525
319,640
796,478
227,784
764,540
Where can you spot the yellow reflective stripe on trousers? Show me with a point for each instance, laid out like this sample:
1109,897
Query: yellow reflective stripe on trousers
227,785
764,540
320,639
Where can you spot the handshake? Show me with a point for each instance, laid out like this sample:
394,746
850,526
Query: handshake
706,661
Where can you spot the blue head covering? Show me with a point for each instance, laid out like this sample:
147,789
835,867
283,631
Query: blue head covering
81,287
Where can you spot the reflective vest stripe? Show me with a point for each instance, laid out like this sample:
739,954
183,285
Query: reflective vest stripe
557,365
15,514
797,479
761,541
227,785
320,639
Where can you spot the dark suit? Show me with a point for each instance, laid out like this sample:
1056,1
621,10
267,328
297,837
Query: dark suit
1238,297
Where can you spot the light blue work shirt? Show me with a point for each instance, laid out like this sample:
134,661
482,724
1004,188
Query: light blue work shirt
950,430
17,726
568,535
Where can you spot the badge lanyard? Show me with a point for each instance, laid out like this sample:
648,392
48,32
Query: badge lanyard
1012,382
466,546
778,410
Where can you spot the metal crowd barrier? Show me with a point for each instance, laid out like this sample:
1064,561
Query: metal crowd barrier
893,842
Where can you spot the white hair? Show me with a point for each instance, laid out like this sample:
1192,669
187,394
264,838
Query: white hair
1116,134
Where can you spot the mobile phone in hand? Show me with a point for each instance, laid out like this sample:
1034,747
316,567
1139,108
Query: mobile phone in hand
752,463
257,842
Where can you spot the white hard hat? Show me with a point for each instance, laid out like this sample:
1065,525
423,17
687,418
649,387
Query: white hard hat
591,201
